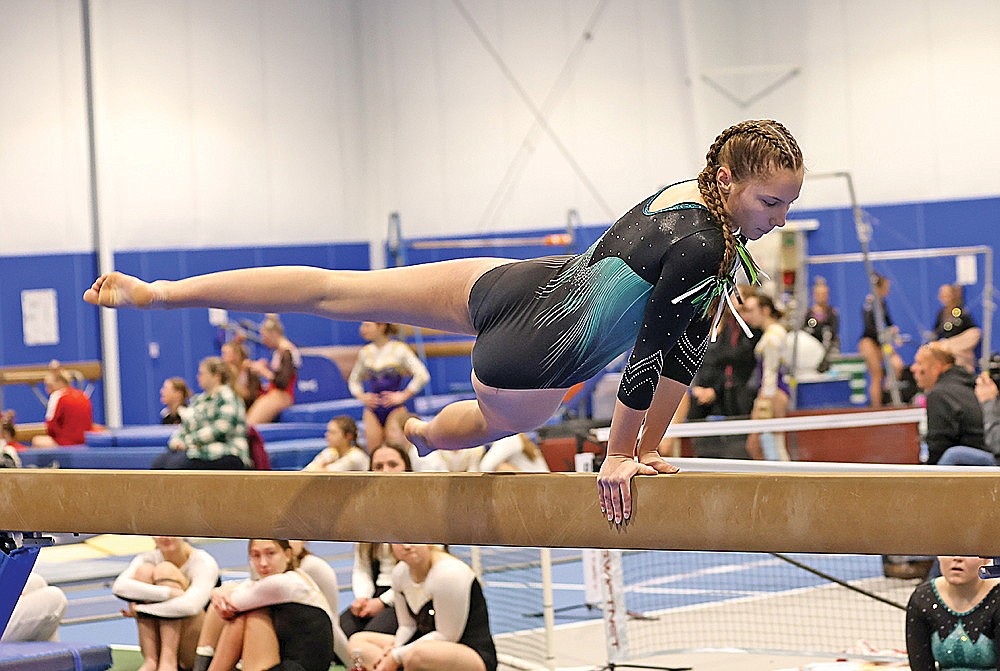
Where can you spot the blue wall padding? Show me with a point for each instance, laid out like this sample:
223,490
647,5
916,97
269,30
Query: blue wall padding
323,411
912,300
79,329
185,336
54,657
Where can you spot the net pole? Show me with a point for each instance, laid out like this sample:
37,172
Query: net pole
548,608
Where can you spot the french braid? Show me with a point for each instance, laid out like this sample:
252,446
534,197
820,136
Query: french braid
750,149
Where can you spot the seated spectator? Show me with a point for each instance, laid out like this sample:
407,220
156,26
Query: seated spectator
342,452
174,395
870,347
38,612
326,579
989,401
68,415
514,453
954,417
371,579
953,621
280,373
385,376
245,381
278,619
8,431
823,323
213,433
168,589
443,621
954,328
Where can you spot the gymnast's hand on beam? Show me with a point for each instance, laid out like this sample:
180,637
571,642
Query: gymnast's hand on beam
614,485
118,290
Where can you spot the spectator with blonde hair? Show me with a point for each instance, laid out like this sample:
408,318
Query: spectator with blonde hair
954,417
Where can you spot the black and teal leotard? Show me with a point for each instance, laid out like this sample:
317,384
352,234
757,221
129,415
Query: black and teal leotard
555,321
939,638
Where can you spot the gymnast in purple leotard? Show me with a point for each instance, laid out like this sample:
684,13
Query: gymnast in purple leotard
379,379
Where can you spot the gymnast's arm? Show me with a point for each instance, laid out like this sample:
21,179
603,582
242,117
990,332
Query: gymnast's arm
128,588
918,633
668,348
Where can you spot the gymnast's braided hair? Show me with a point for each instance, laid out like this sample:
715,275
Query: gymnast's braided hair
751,150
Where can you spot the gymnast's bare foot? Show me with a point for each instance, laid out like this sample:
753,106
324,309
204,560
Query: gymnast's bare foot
415,430
118,290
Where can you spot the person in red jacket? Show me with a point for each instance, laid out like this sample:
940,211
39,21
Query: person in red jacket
69,414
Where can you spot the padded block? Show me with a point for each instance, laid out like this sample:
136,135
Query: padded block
279,431
323,411
319,379
145,435
294,455
54,657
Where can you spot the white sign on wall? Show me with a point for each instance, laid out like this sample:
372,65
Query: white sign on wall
40,317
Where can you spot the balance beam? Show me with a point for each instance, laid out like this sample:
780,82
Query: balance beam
788,512
35,374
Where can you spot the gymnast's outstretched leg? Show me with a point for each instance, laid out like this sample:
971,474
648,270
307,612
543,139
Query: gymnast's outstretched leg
432,295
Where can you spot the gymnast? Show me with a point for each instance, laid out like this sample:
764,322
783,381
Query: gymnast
658,280
378,376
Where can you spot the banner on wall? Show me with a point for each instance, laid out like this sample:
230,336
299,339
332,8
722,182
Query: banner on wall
40,317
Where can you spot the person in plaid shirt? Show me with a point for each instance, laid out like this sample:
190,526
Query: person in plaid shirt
213,431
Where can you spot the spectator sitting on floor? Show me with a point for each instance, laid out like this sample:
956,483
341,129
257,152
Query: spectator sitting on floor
38,612
517,453
174,395
989,401
213,433
443,618
372,607
954,417
279,619
68,415
168,589
342,452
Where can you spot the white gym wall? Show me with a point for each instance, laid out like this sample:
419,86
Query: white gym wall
253,122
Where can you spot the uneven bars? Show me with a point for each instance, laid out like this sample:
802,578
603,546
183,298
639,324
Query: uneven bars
775,512
553,240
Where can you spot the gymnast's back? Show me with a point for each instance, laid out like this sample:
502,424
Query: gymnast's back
558,320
